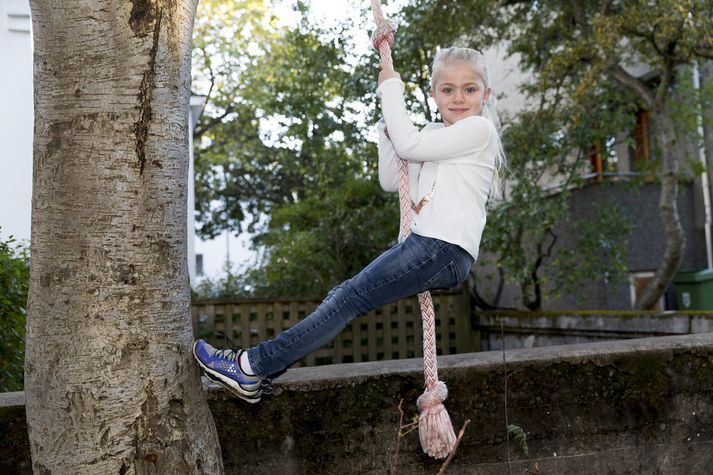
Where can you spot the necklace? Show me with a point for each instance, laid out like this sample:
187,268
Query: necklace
423,202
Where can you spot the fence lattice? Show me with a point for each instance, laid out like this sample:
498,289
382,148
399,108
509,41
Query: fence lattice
389,332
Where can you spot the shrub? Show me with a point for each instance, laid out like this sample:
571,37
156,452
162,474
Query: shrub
14,283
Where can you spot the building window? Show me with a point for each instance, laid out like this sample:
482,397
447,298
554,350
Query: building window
602,159
18,22
637,283
596,162
641,139
199,264
641,146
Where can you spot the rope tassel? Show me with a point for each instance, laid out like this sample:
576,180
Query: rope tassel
434,425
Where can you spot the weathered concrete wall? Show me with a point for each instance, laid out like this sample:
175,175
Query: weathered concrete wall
535,329
640,406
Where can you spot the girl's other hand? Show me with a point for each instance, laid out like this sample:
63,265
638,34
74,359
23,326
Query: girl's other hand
387,73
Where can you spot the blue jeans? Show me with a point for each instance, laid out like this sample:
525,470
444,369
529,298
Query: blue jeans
408,268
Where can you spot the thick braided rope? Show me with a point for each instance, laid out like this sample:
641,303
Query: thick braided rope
382,38
435,429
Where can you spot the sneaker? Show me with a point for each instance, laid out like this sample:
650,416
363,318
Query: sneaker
222,367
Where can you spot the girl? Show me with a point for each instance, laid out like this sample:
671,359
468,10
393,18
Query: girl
452,166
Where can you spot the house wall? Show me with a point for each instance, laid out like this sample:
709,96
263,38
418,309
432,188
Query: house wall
16,119
506,78
645,245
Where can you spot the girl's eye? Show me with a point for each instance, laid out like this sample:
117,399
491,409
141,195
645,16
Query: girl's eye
471,90
446,90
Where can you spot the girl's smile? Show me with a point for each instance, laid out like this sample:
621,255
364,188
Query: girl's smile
459,92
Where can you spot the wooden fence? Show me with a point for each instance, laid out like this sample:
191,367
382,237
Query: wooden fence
391,332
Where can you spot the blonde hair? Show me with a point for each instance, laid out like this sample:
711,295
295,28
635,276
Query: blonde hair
457,54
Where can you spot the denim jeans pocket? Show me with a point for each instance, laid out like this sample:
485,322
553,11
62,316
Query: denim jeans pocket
430,246
446,278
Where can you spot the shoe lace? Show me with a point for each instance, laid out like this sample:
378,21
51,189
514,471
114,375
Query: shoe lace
232,353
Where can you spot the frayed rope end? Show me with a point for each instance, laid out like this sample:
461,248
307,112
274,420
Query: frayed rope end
434,425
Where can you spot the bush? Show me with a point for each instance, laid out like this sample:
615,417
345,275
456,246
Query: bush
14,283
230,285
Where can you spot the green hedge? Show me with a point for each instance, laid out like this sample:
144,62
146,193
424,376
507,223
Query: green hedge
14,282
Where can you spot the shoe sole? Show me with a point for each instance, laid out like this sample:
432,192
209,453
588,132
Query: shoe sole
228,383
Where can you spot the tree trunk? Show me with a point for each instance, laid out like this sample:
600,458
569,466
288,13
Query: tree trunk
110,383
668,211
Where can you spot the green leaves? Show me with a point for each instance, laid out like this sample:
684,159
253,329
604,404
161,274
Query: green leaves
282,118
520,438
14,283
324,239
284,147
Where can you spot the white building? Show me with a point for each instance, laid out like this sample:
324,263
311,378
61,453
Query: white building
16,121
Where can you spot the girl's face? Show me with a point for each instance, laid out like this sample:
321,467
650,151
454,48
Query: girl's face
459,92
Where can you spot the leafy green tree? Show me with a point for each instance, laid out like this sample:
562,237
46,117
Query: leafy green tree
14,282
325,238
280,120
283,146
590,43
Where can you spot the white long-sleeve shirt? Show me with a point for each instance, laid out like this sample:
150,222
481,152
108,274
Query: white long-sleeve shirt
456,162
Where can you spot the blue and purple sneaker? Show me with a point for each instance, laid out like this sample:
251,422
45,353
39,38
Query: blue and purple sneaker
223,367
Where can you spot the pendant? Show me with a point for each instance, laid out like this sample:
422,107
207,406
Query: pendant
422,203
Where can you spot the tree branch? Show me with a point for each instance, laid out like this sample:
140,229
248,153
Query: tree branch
210,89
707,54
651,38
204,127
633,83
666,79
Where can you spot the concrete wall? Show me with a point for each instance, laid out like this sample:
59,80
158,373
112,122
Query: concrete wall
640,406
538,329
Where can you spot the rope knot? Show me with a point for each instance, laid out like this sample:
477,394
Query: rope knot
432,397
384,31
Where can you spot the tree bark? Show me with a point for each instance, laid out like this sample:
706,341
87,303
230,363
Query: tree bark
110,383
668,211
